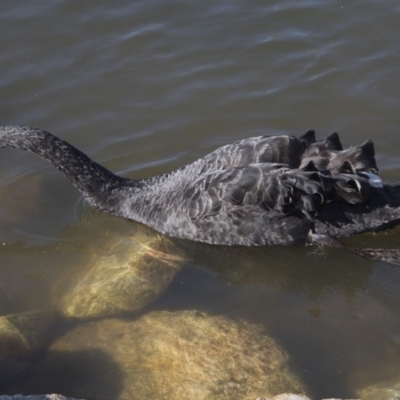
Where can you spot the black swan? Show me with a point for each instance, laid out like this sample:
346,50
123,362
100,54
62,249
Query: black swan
269,190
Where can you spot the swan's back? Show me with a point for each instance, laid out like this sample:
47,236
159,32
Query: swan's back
259,191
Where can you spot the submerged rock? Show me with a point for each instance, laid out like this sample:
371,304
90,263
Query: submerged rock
381,391
126,276
168,355
23,334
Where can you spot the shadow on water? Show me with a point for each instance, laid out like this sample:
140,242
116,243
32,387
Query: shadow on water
309,270
74,373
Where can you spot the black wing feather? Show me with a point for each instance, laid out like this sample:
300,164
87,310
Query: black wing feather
322,172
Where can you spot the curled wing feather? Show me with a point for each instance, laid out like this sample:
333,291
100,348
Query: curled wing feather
273,187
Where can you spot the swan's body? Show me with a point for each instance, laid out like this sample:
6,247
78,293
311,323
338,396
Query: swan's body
259,191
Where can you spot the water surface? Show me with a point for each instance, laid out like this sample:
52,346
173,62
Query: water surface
147,86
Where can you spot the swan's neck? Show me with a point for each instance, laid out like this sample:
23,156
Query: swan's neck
96,183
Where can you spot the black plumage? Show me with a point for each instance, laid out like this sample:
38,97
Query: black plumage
258,191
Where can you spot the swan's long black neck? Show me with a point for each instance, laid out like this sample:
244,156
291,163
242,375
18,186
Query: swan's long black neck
96,183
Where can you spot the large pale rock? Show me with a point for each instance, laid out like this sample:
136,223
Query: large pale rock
127,275
168,355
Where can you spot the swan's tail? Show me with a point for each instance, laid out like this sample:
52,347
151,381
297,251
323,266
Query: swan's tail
329,154
95,182
309,189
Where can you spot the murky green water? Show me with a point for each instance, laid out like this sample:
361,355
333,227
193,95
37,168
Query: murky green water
147,86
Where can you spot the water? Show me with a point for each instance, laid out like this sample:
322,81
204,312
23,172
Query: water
147,86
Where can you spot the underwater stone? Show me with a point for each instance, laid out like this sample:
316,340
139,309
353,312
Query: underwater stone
381,392
168,355
127,276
